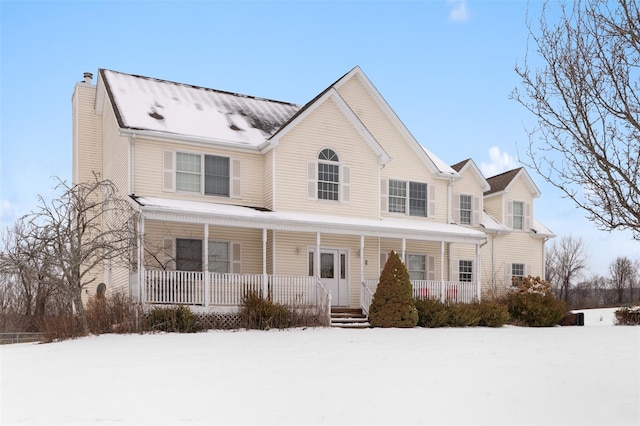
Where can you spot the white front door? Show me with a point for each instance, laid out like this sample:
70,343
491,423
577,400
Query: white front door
333,274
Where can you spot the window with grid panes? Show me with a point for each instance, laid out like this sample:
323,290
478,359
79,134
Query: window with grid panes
328,175
417,266
417,199
189,176
465,271
397,196
518,215
465,209
517,271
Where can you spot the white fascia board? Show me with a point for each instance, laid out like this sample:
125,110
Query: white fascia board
188,140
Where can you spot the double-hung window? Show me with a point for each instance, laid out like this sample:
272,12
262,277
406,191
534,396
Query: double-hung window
328,175
417,197
518,215
219,257
465,209
517,273
465,271
208,174
417,266
188,254
397,196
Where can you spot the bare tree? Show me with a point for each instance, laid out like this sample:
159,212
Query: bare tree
567,260
74,235
586,99
624,273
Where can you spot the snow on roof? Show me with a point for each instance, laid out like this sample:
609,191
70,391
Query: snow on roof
144,103
441,165
492,225
542,230
410,228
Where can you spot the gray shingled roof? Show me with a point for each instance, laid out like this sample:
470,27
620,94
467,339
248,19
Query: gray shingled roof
154,105
500,182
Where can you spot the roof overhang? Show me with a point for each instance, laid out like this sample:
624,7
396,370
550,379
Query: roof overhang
197,212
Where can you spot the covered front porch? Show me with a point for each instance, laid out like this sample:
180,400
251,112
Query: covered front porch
292,259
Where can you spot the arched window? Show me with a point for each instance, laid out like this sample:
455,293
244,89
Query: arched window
328,175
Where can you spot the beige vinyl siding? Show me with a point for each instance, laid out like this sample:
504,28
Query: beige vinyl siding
519,191
516,247
405,161
268,179
326,127
494,206
87,134
87,155
426,248
116,152
148,172
468,185
156,232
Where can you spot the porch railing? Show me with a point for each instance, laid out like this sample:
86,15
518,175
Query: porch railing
452,291
189,288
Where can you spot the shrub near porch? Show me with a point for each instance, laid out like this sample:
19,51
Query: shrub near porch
392,304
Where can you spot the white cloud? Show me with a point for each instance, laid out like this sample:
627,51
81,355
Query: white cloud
499,162
460,11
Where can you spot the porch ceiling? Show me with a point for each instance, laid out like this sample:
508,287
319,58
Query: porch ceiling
172,210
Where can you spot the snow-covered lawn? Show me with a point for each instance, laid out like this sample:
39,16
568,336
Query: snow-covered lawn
556,376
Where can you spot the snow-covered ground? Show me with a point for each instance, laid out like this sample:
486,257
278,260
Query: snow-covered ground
554,376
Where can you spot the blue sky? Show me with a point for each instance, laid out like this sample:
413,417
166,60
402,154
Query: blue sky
445,67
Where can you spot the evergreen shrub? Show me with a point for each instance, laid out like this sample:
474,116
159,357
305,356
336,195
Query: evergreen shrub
493,314
432,313
392,304
533,304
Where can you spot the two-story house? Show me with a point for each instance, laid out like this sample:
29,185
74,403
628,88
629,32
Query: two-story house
302,203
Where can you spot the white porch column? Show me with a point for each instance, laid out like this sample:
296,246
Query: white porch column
141,275
265,283
205,265
361,259
442,289
404,249
477,271
316,266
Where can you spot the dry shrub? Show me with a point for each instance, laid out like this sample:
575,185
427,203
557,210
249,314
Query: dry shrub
60,327
533,304
175,319
263,314
629,315
112,314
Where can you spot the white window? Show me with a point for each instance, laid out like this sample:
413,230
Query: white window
465,209
517,272
418,201
219,259
518,215
465,271
328,175
201,174
417,266
397,196
188,171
